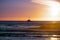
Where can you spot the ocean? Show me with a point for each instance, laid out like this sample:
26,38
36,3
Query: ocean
29,30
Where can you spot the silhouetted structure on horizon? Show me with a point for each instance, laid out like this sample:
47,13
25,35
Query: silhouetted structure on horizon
28,20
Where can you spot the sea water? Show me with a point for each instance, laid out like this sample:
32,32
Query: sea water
6,32
28,38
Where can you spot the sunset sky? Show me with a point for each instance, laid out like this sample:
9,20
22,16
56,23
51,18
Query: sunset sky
35,9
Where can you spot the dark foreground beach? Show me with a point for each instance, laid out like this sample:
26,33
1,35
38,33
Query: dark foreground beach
32,30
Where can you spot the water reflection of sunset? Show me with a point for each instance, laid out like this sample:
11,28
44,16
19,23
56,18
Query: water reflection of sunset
53,38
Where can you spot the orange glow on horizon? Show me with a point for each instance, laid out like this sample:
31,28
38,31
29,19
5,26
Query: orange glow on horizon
53,9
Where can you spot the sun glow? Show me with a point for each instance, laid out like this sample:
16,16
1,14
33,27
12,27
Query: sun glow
53,9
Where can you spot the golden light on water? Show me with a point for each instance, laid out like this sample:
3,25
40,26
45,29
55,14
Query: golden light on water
53,9
53,38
